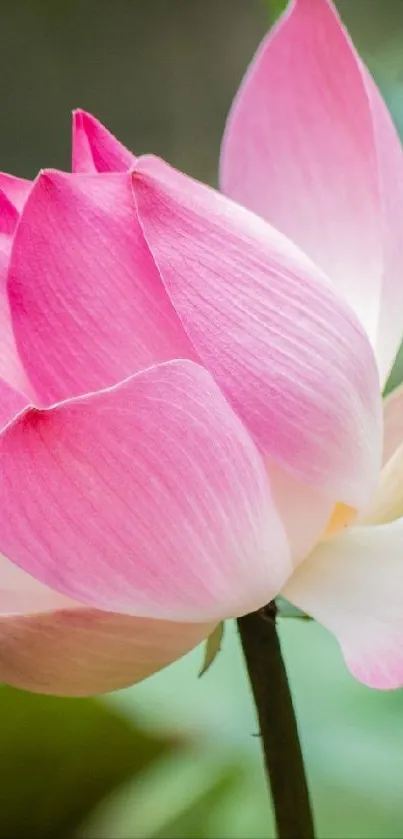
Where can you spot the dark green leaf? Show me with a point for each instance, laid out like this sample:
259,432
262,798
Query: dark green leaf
59,758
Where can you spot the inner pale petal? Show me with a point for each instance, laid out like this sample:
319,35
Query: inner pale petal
387,503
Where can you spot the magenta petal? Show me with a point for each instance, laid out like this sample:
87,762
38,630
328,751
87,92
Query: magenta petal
15,389
95,149
88,307
148,498
81,652
8,216
267,324
12,401
16,189
310,146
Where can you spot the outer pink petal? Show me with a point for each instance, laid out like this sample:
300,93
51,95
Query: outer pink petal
84,651
392,422
95,149
16,189
149,499
309,145
354,586
88,307
287,352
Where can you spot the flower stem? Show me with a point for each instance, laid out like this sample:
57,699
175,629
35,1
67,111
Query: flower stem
278,726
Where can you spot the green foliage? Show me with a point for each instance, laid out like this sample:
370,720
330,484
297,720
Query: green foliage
352,738
60,757
396,376
285,609
181,797
276,7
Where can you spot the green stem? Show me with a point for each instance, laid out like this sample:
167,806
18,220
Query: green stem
278,726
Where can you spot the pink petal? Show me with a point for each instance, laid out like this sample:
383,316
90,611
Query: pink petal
95,149
8,218
8,352
268,326
310,146
84,651
16,189
304,512
353,585
15,388
392,422
21,594
88,308
12,400
14,385
148,498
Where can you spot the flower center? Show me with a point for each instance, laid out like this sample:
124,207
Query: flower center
342,516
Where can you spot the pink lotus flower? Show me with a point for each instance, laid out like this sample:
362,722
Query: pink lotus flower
191,411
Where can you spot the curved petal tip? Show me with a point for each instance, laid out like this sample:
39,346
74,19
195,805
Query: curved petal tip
95,149
310,146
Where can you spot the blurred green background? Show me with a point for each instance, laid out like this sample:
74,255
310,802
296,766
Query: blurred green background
177,757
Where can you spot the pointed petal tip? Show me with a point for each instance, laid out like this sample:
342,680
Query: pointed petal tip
78,114
95,148
84,119
16,189
48,176
44,187
78,256
292,131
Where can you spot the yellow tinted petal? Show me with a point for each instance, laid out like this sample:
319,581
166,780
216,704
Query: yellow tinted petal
342,516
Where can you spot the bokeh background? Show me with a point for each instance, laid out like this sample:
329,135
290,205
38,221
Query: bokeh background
177,757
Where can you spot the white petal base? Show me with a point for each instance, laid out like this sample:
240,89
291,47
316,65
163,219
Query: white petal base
353,585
